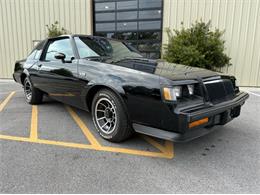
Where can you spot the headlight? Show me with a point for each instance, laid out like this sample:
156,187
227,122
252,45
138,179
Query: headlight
178,91
191,89
171,94
175,92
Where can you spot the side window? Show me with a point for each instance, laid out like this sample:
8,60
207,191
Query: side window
84,48
61,46
31,55
37,51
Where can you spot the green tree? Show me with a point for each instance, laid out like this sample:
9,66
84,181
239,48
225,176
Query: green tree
55,30
197,46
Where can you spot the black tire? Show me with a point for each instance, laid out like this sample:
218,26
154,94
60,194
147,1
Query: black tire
32,94
115,114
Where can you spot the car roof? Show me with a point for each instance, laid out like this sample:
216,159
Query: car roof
81,35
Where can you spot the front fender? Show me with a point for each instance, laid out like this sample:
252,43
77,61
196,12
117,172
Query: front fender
93,86
113,82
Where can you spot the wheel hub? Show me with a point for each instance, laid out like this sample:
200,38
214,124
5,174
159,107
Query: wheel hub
108,113
105,114
28,90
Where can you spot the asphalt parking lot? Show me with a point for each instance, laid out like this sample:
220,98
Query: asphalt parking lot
53,148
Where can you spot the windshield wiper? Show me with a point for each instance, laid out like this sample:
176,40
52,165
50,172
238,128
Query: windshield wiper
131,58
97,58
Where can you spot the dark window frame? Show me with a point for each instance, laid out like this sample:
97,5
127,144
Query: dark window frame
39,46
51,40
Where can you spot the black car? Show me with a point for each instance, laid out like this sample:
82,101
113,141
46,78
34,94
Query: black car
126,92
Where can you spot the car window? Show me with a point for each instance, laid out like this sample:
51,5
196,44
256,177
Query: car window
84,48
59,46
120,50
31,55
37,51
97,46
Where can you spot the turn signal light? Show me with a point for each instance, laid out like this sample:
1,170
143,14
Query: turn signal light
167,93
199,122
171,94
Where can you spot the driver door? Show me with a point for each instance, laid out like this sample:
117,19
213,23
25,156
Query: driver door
59,77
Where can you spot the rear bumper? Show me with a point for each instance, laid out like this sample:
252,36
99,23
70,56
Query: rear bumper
218,114
16,77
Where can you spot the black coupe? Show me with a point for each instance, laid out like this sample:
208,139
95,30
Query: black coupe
126,92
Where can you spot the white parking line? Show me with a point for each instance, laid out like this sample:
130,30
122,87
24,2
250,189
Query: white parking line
253,93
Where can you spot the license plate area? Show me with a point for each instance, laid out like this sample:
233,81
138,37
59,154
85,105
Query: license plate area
224,117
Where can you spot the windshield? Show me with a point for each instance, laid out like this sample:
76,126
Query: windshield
102,47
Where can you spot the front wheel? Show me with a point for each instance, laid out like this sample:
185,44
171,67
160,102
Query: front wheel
32,94
110,117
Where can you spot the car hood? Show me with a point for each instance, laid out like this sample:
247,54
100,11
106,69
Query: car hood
180,72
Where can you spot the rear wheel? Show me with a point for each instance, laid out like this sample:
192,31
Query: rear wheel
110,117
32,94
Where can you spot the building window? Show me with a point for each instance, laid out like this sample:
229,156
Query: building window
138,22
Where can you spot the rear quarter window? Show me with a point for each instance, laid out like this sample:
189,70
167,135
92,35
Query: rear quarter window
36,52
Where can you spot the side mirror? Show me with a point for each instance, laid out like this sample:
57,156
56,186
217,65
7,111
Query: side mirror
60,56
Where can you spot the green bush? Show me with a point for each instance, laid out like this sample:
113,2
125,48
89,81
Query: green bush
54,30
197,46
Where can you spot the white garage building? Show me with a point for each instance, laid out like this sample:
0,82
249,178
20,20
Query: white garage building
141,22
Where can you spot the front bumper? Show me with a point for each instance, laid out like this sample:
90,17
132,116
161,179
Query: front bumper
218,114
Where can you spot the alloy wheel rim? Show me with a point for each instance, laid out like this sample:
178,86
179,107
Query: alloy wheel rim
105,115
28,90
